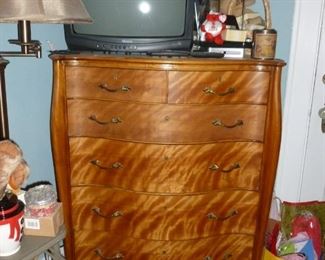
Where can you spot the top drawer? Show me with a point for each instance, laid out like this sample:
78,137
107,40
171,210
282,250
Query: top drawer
218,87
117,84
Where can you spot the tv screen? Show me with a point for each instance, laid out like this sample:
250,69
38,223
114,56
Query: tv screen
134,26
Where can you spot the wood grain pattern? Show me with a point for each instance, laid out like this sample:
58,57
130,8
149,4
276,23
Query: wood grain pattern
188,87
164,217
165,168
158,123
103,83
218,248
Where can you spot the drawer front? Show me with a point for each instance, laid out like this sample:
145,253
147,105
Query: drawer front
118,84
159,123
218,87
164,216
91,247
165,168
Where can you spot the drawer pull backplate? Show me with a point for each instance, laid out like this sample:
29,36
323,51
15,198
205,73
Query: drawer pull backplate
116,165
231,213
109,89
218,122
210,91
215,167
114,120
115,214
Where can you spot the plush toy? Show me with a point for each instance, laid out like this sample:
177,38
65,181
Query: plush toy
212,27
13,168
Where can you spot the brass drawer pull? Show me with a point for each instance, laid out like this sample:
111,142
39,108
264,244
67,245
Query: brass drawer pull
116,165
116,256
114,120
107,88
115,214
214,167
231,213
218,122
210,91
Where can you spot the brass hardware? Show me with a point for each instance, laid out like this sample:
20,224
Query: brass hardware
118,255
116,165
115,214
121,89
231,213
210,91
321,114
215,167
218,122
114,120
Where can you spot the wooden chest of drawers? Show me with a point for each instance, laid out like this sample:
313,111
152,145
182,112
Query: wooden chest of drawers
159,158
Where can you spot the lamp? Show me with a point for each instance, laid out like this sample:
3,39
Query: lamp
23,12
39,11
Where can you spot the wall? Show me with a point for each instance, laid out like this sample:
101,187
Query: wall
282,17
29,86
29,82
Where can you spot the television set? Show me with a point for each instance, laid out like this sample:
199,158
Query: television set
134,26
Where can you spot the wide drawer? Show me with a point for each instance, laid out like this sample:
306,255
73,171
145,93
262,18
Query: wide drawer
160,123
218,87
105,245
164,216
165,168
117,84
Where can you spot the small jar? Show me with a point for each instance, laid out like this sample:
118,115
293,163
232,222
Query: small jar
41,201
264,44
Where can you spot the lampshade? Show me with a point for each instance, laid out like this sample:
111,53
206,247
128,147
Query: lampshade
44,11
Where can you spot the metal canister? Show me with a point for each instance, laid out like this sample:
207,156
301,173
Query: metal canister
264,44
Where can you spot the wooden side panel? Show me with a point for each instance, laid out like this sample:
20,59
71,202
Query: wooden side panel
60,150
270,157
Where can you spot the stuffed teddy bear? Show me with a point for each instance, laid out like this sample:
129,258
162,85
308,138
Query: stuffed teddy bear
13,168
212,27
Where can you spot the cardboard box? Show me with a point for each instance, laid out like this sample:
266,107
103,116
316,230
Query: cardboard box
44,226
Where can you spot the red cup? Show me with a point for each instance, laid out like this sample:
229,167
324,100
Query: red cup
11,224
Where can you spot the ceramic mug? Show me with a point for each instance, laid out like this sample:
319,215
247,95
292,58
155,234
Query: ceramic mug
11,224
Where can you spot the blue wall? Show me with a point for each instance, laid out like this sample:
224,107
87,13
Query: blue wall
29,86
282,15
